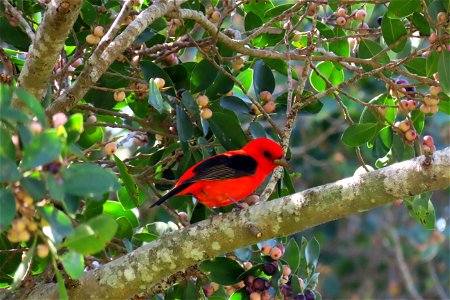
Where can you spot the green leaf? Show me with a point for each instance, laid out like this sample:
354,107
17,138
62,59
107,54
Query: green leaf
88,13
190,104
444,106
21,271
418,119
359,134
421,23
151,70
444,71
61,285
154,97
128,181
277,10
421,208
292,255
227,130
78,180
263,79
312,252
401,151
7,148
8,208
33,104
91,237
125,229
34,187
74,127
383,142
190,292
398,9
73,264
42,149
240,294
223,270
393,30
8,170
235,104
184,125
252,21
222,84
417,66
202,76
432,63
340,47
116,210
60,224
368,49
257,130
329,71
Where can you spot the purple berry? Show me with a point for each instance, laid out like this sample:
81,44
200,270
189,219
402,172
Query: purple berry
259,284
270,268
309,294
299,297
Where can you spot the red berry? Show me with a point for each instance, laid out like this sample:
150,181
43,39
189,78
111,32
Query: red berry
340,21
341,12
110,148
265,249
360,15
428,140
269,107
275,253
411,135
265,96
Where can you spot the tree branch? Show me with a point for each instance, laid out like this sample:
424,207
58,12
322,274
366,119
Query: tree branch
47,44
140,270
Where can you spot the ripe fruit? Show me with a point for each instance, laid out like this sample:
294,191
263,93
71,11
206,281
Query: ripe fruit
36,127
411,135
260,284
300,297
269,107
160,83
205,113
404,104
435,90
92,39
59,119
265,96
442,17
208,290
309,295
428,140
432,38
119,96
183,216
275,253
265,249
247,265
252,199
42,250
340,21
403,125
99,31
286,270
360,15
341,12
202,100
412,104
270,268
110,148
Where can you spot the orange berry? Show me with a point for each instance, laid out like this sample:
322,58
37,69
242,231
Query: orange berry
434,109
119,96
160,83
432,38
411,135
403,125
269,107
431,100
425,108
205,113
286,270
247,265
110,148
255,296
202,100
92,39
275,253
265,249
442,17
42,250
99,31
434,90
23,236
265,96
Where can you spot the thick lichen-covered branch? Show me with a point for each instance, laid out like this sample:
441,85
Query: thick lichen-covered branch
47,44
137,272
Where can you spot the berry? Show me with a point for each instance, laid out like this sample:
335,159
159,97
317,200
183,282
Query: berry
275,253
252,199
300,297
309,295
255,296
340,21
265,96
428,140
159,137
160,83
360,15
23,236
265,295
119,96
206,113
91,119
110,148
216,16
403,125
208,290
401,81
312,9
411,135
269,107
341,12
286,270
260,284
425,108
247,265
432,38
92,39
412,104
99,31
404,104
36,127
202,100
42,250
183,216
442,17
362,27
431,100
265,249
435,90
434,109
59,119
248,281
270,268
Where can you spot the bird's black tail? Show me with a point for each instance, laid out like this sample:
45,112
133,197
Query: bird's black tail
172,193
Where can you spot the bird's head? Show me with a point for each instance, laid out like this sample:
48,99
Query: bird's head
266,151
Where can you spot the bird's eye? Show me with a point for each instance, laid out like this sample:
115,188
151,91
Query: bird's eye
267,154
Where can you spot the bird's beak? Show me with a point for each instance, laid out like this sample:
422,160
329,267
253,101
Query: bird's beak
281,162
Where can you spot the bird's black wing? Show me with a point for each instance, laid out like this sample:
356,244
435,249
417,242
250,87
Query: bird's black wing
216,168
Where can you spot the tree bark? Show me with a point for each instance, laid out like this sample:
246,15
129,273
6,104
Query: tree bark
140,270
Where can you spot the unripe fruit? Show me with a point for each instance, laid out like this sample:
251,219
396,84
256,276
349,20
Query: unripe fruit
216,16
59,119
286,270
247,265
36,127
23,236
32,226
425,109
255,296
92,39
442,17
363,27
159,137
270,268
341,12
265,96
252,199
110,148
19,225
360,15
435,90
275,253
412,104
312,9
269,107
99,31
160,83
119,96
27,200
411,135
202,100
434,109
91,119
431,100
340,21
42,250
432,38
265,249
183,216
403,126
206,113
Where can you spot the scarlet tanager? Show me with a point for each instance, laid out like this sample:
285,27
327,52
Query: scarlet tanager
231,176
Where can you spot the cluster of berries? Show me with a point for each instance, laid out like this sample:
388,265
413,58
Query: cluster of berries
94,37
267,102
205,112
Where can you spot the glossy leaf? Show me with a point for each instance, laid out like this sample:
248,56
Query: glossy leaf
151,70
33,104
125,229
227,130
116,210
252,21
340,47
8,208
222,84
263,79
202,76
444,71
184,125
73,264
223,270
398,9
312,252
292,255
257,130
128,181
432,63
359,134
417,66
60,223
329,71
421,208
7,148
235,104
8,170
154,97
418,119
368,49
393,30
421,23
42,149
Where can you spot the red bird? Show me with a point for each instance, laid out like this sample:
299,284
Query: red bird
225,178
